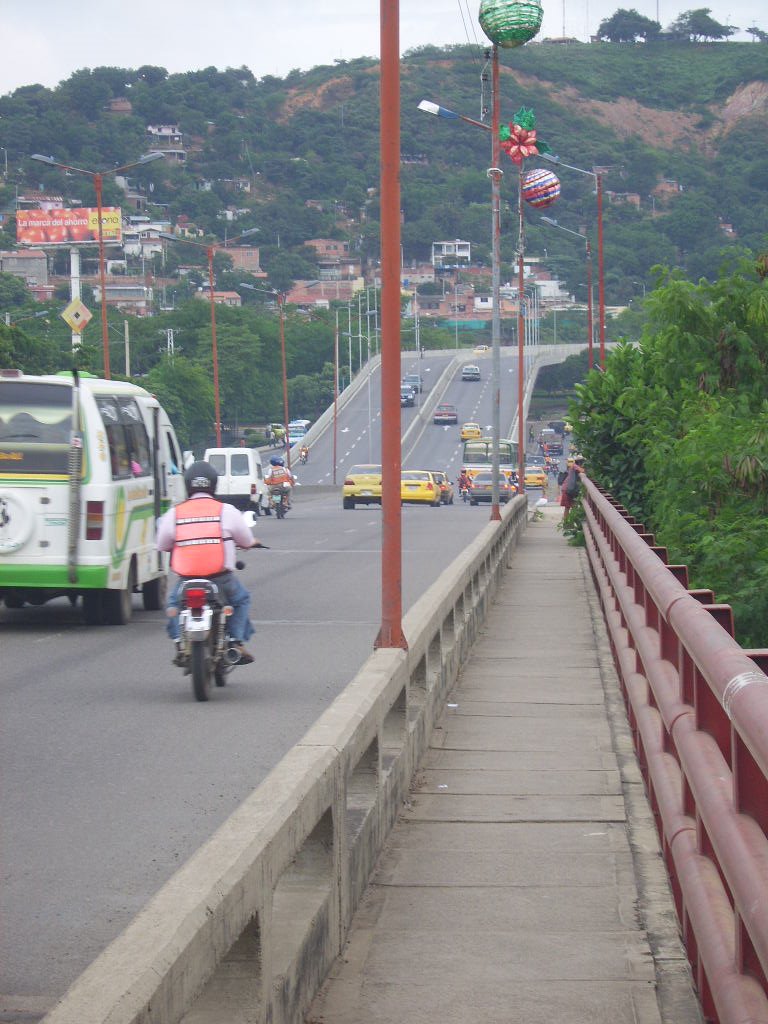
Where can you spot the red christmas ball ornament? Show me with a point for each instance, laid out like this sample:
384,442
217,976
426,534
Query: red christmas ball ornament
541,188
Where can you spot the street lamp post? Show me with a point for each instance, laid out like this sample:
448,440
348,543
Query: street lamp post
597,175
495,174
210,251
98,180
553,223
281,321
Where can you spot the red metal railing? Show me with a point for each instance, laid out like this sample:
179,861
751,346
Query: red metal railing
698,709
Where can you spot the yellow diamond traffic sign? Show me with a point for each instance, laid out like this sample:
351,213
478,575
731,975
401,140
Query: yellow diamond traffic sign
77,315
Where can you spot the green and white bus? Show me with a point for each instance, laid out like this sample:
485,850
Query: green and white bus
86,467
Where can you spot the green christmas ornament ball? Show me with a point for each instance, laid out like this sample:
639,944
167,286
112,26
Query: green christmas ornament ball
510,23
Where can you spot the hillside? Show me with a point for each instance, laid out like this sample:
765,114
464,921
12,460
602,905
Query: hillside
695,116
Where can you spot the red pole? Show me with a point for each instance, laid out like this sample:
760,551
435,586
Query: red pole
391,631
589,305
495,175
520,345
214,349
335,393
97,182
600,277
285,378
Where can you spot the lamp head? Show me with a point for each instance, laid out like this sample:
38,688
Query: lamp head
43,159
147,158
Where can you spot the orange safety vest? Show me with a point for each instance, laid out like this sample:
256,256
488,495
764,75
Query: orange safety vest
278,476
198,548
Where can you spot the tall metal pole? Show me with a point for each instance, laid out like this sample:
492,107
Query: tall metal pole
74,285
391,631
495,174
520,331
97,182
590,329
281,311
600,276
214,349
335,394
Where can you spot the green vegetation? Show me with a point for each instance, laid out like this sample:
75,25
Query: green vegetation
677,430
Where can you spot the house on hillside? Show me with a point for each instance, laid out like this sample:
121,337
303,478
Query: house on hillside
220,298
320,294
166,138
454,253
30,264
334,262
246,258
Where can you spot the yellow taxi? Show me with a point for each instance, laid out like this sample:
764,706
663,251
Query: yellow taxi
362,486
470,431
480,350
535,476
419,487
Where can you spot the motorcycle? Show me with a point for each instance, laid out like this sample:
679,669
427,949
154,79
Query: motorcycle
464,493
278,500
209,652
304,456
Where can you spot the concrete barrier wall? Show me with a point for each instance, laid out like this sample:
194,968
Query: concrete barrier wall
248,928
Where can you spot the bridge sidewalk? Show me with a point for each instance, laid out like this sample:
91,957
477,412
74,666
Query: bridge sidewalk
522,883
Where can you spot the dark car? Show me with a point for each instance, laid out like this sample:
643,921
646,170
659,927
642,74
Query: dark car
445,485
407,396
481,489
445,413
415,380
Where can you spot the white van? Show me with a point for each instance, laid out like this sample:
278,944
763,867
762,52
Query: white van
241,478
86,468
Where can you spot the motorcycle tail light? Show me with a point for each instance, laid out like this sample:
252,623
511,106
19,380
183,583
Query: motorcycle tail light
194,598
94,520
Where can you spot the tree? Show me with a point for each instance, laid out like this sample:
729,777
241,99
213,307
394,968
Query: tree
698,25
627,26
676,430
758,36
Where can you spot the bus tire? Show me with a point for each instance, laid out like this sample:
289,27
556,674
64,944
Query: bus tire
118,604
154,594
93,607
201,671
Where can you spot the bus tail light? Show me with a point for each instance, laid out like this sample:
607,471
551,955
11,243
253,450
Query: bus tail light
94,520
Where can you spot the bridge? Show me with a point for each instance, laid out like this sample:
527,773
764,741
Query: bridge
476,828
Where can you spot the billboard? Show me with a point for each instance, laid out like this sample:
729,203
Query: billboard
68,227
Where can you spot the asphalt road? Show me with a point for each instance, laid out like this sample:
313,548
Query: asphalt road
112,775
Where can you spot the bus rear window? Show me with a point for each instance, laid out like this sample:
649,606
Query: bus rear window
35,427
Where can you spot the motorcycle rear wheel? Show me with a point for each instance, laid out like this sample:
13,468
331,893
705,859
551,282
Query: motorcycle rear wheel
220,675
200,666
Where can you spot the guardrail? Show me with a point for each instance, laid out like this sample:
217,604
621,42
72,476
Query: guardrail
698,710
249,927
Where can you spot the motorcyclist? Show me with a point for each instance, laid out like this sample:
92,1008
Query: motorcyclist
202,533
464,482
304,454
279,476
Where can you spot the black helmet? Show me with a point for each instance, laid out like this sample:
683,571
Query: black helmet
201,477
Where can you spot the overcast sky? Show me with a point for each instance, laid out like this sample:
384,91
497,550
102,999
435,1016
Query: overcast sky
47,40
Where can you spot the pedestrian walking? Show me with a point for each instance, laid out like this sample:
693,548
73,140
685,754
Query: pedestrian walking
569,487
